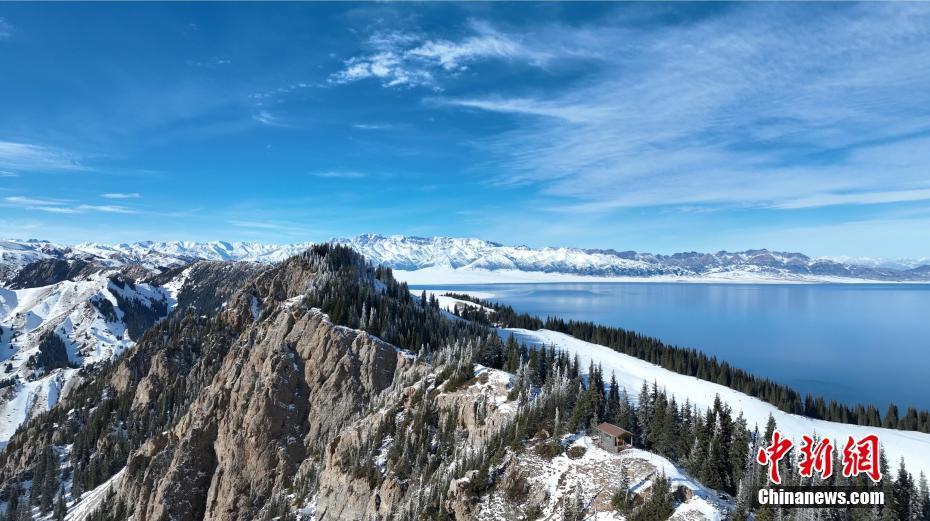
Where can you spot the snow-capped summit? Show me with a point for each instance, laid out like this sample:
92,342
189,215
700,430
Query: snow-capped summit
173,253
444,260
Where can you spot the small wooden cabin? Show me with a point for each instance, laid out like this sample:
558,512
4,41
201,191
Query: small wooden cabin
612,438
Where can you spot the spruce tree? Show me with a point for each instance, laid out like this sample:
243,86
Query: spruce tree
612,407
903,488
743,502
739,449
644,414
660,504
924,495
891,417
49,482
60,508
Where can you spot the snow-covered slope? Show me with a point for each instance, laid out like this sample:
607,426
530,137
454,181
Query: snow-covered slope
631,372
46,333
596,476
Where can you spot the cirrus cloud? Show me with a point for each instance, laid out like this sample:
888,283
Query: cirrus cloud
61,206
29,157
759,104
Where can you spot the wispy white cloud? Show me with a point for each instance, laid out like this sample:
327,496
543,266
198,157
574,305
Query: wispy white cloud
269,119
6,29
820,200
61,206
7,173
34,158
759,104
341,174
279,91
40,204
373,126
22,200
106,208
121,195
54,209
408,59
528,107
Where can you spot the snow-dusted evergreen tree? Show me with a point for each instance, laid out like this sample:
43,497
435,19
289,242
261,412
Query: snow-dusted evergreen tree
644,413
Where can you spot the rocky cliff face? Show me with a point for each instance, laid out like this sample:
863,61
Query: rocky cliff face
237,411
291,383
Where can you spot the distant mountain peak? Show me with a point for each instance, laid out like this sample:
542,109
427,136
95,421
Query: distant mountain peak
478,256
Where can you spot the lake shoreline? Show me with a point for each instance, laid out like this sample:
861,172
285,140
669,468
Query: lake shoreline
454,277
824,339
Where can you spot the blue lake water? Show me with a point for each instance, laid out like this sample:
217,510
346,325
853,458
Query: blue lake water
856,343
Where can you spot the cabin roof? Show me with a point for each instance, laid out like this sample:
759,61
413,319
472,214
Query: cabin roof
613,430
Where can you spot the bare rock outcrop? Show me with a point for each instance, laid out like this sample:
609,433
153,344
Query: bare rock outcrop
289,384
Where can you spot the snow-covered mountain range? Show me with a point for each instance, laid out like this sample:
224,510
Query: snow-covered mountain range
17,254
443,260
450,260
63,310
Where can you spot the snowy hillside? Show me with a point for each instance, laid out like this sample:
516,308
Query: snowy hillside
596,475
631,372
47,333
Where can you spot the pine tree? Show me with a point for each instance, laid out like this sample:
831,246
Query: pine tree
923,492
739,449
671,422
612,406
902,493
644,414
888,511
891,417
743,502
76,480
49,482
660,504
713,474
697,457
770,427
60,508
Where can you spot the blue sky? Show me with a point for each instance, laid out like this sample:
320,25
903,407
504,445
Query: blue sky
655,127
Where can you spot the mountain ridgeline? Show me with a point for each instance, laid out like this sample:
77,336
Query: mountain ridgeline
29,263
319,388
